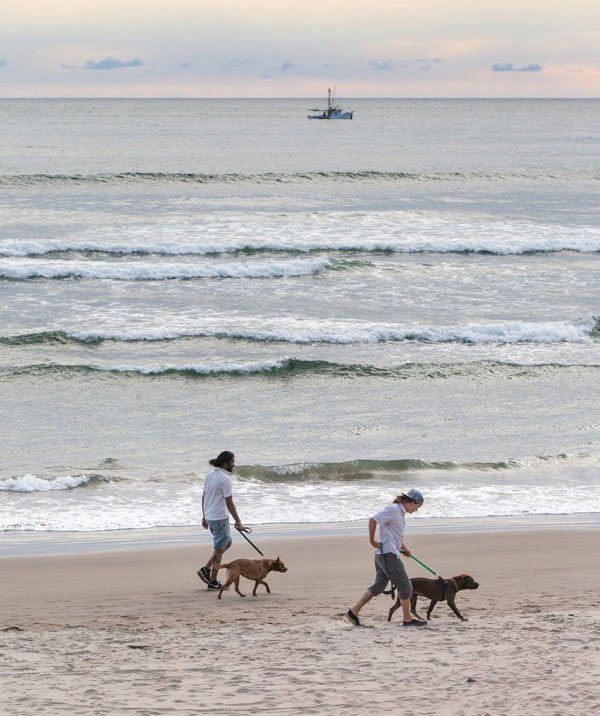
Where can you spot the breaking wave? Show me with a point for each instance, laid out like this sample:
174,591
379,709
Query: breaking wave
367,469
302,332
140,271
401,232
33,483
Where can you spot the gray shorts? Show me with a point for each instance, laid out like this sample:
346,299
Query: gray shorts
394,571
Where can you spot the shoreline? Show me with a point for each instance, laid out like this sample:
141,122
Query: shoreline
27,544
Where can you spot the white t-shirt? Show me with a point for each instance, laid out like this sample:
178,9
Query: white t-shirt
217,486
391,528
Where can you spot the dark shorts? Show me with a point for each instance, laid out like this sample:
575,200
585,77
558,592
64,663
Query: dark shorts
390,569
220,533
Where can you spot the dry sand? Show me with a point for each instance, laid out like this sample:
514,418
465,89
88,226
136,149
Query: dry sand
137,633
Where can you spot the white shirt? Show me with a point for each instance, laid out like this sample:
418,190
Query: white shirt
217,486
391,528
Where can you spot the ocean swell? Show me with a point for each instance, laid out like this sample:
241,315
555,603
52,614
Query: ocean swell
33,180
288,367
359,469
296,331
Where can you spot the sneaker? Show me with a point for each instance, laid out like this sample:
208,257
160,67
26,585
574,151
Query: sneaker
352,618
415,622
214,584
204,574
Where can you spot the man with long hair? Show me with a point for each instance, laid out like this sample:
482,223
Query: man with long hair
217,505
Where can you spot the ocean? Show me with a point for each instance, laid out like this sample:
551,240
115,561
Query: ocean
407,299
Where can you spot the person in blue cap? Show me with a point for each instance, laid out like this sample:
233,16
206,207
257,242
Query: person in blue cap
388,565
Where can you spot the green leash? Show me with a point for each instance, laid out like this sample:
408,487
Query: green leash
383,565
412,556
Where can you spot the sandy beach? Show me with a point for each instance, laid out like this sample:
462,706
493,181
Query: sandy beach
136,632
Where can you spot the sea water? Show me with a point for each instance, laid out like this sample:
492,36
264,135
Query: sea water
410,298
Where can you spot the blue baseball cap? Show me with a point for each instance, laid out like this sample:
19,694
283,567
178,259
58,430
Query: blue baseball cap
414,495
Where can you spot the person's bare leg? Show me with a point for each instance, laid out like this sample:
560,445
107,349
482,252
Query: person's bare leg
215,563
366,597
405,604
208,565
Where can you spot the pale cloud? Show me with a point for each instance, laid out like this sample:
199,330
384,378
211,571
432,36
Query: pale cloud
385,65
2,63
110,63
509,67
285,66
235,64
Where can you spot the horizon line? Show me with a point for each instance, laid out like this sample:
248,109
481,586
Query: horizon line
296,97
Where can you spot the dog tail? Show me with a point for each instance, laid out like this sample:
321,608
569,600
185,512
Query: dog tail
224,566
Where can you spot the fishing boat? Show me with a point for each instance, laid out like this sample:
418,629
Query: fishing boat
333,111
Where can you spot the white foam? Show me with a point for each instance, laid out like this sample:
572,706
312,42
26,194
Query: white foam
299,331
21,269
32,483
201,369
394,231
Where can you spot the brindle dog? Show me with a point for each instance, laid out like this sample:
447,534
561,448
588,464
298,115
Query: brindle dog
437,590
256,569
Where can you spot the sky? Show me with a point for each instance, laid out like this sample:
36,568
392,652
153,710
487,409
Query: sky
298,48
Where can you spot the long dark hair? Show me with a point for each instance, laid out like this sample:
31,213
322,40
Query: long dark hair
221,459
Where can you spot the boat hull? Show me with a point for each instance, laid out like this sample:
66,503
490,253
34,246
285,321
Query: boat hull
345,115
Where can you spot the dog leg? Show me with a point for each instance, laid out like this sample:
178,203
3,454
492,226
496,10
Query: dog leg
430,609
454,608
237,586
224,587
393,609
260,581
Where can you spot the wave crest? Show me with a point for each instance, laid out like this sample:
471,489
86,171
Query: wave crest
368,469
33,483
145,271
304,332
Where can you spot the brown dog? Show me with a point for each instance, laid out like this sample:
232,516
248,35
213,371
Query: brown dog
256,569
437,590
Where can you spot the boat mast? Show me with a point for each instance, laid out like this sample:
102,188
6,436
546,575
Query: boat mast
329,101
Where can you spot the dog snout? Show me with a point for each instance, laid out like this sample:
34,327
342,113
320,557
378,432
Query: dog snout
475,585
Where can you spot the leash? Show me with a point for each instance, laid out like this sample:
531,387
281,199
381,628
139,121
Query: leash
383,565
412,556
392,590
441,579
248,529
